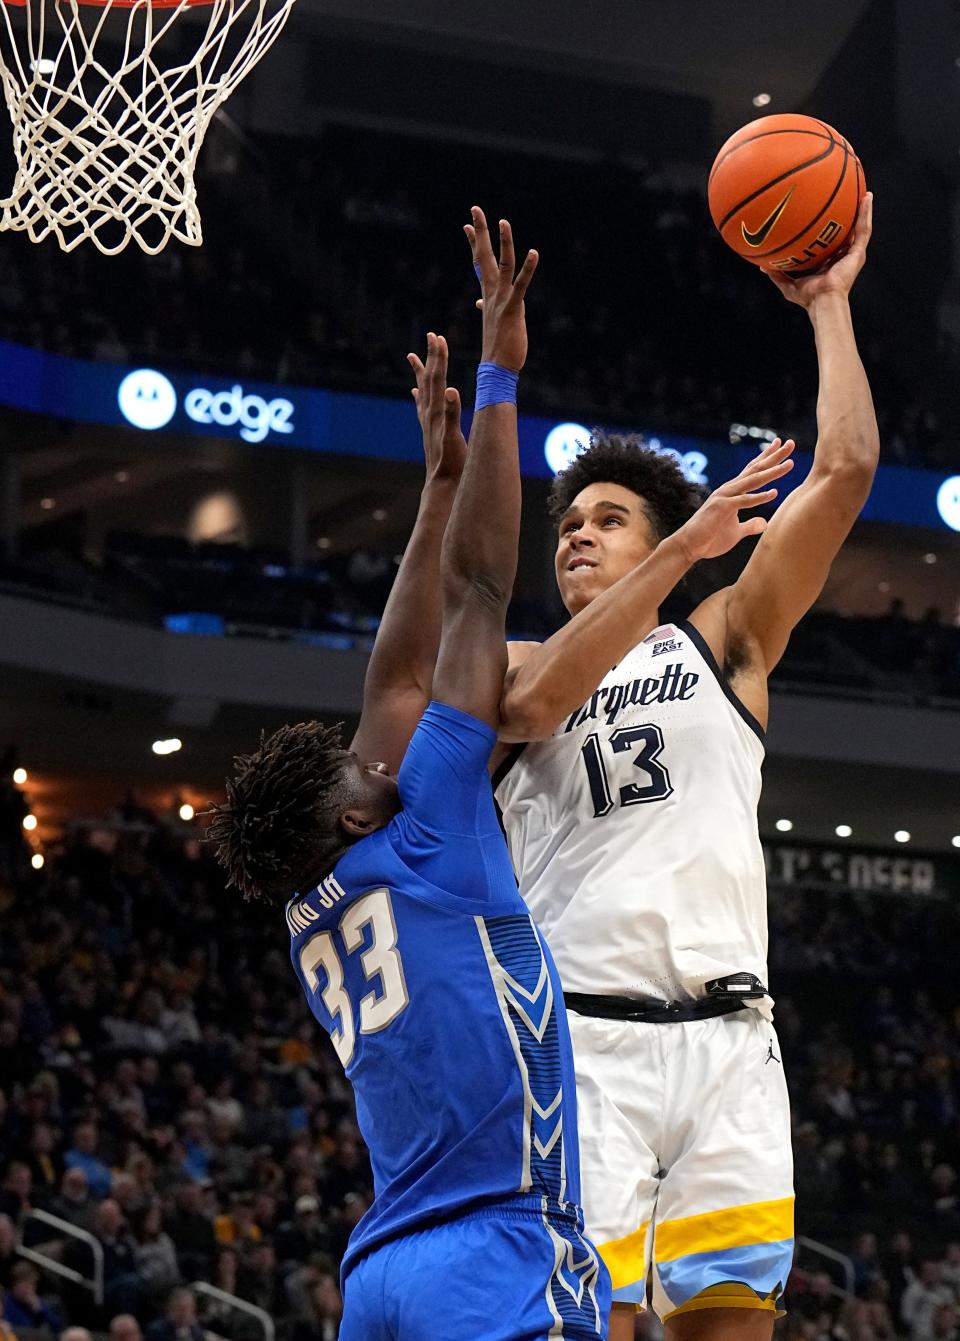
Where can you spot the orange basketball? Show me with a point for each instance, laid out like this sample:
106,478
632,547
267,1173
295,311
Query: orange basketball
784,192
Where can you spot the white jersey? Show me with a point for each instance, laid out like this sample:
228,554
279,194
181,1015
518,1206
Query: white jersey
633,829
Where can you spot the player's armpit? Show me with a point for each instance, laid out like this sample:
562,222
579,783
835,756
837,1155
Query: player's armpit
789,567
388,722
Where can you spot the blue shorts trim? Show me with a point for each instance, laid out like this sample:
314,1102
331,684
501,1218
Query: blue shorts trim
631,1294
762,1267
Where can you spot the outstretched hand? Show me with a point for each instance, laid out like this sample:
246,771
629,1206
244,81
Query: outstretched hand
504,313
840,271
716,527
438,409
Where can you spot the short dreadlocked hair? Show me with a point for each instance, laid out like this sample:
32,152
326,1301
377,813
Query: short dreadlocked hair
280,822
668,496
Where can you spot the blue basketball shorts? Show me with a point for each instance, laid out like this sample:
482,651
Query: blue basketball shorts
493,1275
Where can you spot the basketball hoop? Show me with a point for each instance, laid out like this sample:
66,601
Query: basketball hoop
110,101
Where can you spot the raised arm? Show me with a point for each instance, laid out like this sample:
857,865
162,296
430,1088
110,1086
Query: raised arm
546,682
399,678
789,567
479,560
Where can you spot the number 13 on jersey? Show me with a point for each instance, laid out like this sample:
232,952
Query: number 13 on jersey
644,744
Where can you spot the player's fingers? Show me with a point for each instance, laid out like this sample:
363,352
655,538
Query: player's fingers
753,526
480,226
438,365
527,271
773,446
479,304
419,371
764,466
484,261
508,260
451,403
431,356
755,499
863,228
775,471
775,451
483,247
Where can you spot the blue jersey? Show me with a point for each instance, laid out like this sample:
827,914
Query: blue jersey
419,958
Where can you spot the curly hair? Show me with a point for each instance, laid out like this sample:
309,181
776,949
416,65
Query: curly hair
668,496
279,825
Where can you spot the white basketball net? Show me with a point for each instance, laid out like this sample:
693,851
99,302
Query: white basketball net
110,103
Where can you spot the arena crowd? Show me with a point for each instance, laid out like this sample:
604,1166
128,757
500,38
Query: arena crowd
320,268
165,1089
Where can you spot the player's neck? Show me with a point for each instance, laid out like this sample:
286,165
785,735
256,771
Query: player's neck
328,868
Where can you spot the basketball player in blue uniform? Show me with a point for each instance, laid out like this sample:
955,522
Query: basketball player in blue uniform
408,934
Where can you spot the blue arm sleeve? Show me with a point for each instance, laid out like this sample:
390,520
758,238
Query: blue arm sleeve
443,779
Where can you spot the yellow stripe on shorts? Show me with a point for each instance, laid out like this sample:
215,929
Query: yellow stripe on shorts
735,1227
624,1258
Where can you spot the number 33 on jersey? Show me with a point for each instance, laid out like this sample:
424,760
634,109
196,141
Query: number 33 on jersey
321,957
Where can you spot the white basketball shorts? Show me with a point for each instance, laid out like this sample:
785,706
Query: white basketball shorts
685,1159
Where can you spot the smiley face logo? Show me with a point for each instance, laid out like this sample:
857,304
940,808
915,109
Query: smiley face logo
948,501
147,399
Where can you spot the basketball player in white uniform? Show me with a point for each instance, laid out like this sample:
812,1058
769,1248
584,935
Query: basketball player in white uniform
629,802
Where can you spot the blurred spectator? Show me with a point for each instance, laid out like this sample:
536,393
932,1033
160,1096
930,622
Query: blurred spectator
264,1121
922,1300
260,1282
82,1155
866,1260
224,1106
8,1251
192,1231
305,1235
16,1190
819,1301
122,1284
44,1162
124,1327
322,1321
237,1226
155,1255
944,1326
180,1323
23,1306
73,1202
75,1334
950,1269
216,1315
230,1158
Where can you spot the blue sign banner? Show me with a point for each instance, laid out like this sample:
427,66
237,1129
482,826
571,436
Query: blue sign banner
149,400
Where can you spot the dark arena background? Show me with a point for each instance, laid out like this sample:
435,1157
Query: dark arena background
168,591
